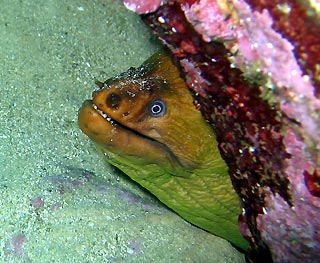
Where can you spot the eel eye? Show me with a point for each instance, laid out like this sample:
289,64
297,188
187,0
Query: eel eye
157,108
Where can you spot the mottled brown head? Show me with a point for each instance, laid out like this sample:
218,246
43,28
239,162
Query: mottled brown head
148,113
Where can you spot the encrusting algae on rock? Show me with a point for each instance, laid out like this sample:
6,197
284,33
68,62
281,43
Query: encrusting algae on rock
145,123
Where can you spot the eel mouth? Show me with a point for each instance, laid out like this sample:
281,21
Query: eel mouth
116,124
98,125
116,138
103,114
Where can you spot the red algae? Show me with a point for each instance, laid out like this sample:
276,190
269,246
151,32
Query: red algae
312,182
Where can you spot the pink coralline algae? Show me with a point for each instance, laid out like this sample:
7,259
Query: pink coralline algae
253,67
142,6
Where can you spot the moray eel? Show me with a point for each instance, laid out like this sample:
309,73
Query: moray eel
145,123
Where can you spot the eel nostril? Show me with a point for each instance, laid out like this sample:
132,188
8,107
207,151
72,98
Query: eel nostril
113,101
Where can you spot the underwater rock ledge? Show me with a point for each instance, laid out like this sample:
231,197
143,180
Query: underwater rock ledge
254,70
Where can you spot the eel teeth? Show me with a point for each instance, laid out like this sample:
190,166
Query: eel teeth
103,114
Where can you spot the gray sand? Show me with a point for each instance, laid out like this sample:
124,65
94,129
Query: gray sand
60,202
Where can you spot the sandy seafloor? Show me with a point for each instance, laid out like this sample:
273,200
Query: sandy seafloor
59,201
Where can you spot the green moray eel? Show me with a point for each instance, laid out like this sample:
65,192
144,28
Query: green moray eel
145,123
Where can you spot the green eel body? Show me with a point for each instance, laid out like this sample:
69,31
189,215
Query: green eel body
145,123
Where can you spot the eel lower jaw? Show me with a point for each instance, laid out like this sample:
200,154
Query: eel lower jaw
118,139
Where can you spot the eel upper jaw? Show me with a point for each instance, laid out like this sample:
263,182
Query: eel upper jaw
103,114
